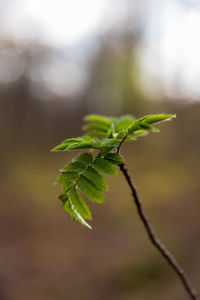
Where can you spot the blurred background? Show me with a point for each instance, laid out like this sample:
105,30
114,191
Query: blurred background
60,60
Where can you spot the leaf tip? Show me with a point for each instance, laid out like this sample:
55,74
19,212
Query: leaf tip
170,117
173,116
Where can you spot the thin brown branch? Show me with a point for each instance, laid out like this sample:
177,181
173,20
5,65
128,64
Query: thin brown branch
155,241
118,148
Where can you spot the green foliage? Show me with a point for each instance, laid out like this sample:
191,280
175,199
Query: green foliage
90,189
104,166
81,175
114,158
79,204
91,174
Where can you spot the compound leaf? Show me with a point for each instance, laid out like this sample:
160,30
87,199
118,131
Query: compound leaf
105,134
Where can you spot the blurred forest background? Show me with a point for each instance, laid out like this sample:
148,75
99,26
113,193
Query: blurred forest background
115,57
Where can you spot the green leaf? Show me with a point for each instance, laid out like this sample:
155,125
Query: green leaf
87,142
147,126
139,133
133,136
97,126
74,166
114,158
98,119
94,176
66,143
69,208
98,129
121,134
73,140
79,143
85,158
63,198
104,166
59,147
123,123
109,142
79,204
89,189
106,150
96,133
150,119
65,177
67,186
144,122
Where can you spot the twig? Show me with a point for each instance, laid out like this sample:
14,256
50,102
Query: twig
118,148
160,247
